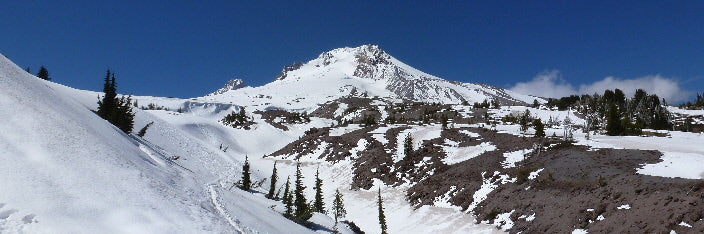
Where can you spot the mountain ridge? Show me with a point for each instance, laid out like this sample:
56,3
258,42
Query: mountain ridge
376,73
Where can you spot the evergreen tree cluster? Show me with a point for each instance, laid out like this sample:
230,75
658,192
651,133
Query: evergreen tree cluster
117,111
484,104
391,119
617,114
43,73
368,120
297,118
237,119
562,103
524,119
697,104
427,113
296,207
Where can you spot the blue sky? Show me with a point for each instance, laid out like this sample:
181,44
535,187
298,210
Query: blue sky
191,48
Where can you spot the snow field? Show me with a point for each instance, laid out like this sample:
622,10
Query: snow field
461,154
419,134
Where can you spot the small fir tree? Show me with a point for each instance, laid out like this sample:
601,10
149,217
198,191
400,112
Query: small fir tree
539,127
318,204
288,201
382,217
613,121
246,180
143,131
124,118
443,121
408,146
272,185
303,210
338,208
27,70
43,73
107,105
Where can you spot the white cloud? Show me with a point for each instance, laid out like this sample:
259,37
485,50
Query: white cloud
546,84
551,84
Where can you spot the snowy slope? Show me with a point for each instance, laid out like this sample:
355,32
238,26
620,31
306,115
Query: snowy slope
364,70
65,170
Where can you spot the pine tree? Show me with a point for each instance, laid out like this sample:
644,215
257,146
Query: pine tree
288,201
43,73
613,121
27,70
408,146
272,186
443,121
338,208
303,211
124,118
539,127
246,180
382,217
143,131
107,105
318,204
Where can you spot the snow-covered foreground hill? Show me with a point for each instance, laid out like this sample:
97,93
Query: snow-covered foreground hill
65,170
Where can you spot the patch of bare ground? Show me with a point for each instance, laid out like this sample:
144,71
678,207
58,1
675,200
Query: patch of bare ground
590,189
467,176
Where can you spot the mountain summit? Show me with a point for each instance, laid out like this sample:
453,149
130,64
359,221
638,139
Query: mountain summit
368,70
230,85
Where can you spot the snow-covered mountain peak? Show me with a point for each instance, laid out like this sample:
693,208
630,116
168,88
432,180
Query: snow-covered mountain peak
230,85
358,61
365,70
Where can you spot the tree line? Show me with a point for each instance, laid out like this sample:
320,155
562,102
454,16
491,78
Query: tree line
616,114
296,207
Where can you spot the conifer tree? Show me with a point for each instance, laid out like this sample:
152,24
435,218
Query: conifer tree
143,131
124,118
539,127
43,73
288,201
303,210
246,180
382,217
613,121
318,204
107,104
272,186
338,208
443,121
27,70
408,146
